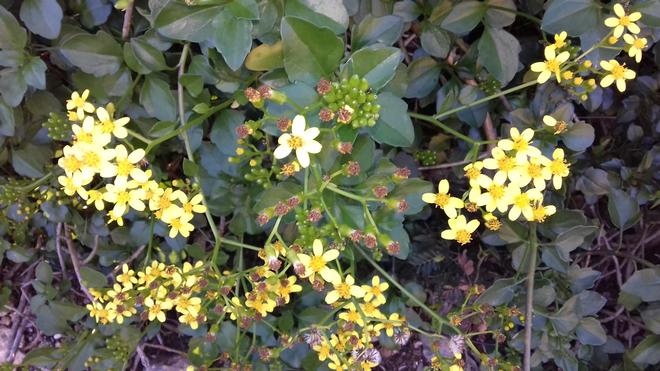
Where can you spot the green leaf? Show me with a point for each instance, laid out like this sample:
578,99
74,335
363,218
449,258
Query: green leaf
423,74
181,22
647,352
310,52
500,292
384,30
43,272
12,86
194,84
650,10
7,121
375,63
233,38
407,9
247,9
623,209
435,41
12,35
394,126
157,98
645,284
330,14
92,278
575,237
579,137
97,54
651,317
498,52
43,17
190,168
223,132
142,57
573,16
29,160
500,18
265,57
582,278
590,332
34,73
464,17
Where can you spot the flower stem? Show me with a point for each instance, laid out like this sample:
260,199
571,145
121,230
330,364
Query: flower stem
444,127
138,136
529,310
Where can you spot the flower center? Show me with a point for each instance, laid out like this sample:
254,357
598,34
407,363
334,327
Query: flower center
84,137
71,164
107,126
639,44
124,167
295,142
520,144
316,264
441,199
344,290
472,173
506,163
522,200
618,71
539,214
552,66
559,167
91,159
534,170
624,21
463,237
123,197
496,191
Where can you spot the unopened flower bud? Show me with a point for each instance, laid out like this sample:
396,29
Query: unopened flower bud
262,219
353,168
265,91
252,95
323,87
393,248
380,191
344,114
345,148
283,123
326,115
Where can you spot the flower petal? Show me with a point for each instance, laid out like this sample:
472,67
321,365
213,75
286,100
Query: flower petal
281,151
298,126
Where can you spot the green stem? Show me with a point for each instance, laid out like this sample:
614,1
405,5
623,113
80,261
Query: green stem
30,187
485,99
522,14
529,310
129,92
138,136
444,127
332,187
593,47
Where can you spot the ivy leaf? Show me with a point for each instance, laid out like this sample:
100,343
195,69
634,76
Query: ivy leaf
498,52
464,17
43,17
142,57
157,98
12,35
265,57
181,22
579,137
384,30
97,54
645,284
573,16
623,209
435,41
34,73
375,63
394,126
233,38
310,52
330,14
246,9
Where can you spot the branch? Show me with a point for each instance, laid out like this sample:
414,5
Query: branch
128,18
75,261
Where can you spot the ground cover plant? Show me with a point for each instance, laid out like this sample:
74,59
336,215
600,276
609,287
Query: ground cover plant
345,185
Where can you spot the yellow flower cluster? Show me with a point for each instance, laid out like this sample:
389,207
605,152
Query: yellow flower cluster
91,153
153,292
519,175
575,75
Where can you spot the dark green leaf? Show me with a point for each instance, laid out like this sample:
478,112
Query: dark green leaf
384,30
7,121
192,23
327,13
34,73
92,278
647,352
142,57
572,16
157,98
12,86
650,10
590,332
310,52
500,18
500,292
435,41
265,57
579,137
375,63
464,16
12,35
233,38
423,74
394,126
43,17
645,283
498,52
97,54
623,209
30,159
247,9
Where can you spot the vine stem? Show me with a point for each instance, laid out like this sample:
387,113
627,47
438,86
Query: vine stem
529,310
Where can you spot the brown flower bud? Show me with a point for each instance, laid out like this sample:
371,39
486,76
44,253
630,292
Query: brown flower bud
393,248
314,215
262,219
252,95
326,115
353,168
380,191
281,209
402,172
265,91
370,241
323,87
345,148
283,123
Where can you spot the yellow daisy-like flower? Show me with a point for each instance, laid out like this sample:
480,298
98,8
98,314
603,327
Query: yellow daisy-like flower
90,133
551,65
560,40
344,290
636,46
94,159
351,314
617,73
336,364
541,212
521,203
286,287
496,195
127,277
323,349
474,175
318,263
536,171
460,230
156,310
521,143
69,162
74,184
623,21
181,225
443,199
95,197
374,293
300,140
501,162
127,165
189,319
123,197
79,103
559,168
194,205
109,124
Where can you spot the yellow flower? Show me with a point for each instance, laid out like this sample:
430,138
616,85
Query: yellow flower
194,205
455,368
117,312
181,225
94,159
190,319
502,163
541,212
344,290
474,175
460,230
558,167
127,277
115,218
395,320
336,364
618,73
261,305
156,310
522,202
560,40
496,195
352,315
69,162
95,197
536,170
98,312
74,184
371,310
636,46
551,65
559,126
443,199
189,305
127,165
323,349
234,308
375,291
623,21
123,197
300,140
286,287
109,124
90,133
521,143
317,263
80,104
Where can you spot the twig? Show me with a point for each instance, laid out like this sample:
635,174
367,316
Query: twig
402,46
9,354
133,256
128,18
143,357
452,164
58,247
93,252
167,349
613,316
75,262
489,130
529,306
